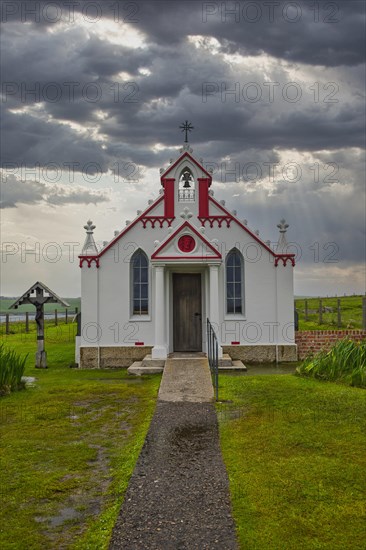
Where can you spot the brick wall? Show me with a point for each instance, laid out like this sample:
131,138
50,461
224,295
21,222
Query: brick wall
312,341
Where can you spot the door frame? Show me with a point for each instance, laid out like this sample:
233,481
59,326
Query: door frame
189,269
192,328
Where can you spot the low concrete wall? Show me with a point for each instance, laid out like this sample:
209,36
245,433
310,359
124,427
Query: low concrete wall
262,354
312,341
112,357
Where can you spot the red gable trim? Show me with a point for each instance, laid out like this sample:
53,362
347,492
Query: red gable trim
290,257
126,230
89,260
186,154
199,235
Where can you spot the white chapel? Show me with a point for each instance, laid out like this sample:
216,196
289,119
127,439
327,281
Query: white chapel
185,259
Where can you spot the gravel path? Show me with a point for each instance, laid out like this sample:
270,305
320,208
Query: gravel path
178,495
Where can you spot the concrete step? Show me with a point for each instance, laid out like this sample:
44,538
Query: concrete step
225,361
235,366
148,361
137,368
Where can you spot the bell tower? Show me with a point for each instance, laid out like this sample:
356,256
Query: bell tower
186,183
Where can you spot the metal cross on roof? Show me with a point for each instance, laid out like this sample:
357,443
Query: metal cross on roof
186,127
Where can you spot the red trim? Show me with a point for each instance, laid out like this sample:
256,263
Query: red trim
168,184
235,343
186,154
285,258
185,258
203,185
127,229
139,343
219,219
173,235
156,219
89,260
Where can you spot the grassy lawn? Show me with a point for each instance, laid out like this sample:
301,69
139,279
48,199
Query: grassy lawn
351,313
295,451
68,447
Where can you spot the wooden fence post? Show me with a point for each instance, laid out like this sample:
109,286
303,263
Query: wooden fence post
66,317
364,313
306,311
320,311
7,323
339,318
56,320
26,321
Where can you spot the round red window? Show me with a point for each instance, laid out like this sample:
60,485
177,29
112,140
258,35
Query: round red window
186,243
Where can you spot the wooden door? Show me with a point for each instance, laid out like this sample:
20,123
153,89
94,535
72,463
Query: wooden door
187,312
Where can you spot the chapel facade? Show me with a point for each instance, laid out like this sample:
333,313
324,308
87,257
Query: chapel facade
185,259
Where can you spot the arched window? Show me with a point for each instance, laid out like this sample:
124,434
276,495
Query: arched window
234,283
140,283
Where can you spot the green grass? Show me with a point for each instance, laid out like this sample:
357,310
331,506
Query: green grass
68,447
344,362
12,367
294,449
351,313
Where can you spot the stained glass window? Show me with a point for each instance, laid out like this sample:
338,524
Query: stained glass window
234,283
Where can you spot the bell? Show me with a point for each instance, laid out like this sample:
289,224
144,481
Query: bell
186,177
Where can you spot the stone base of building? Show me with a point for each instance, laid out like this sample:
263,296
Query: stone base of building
113,357
262,353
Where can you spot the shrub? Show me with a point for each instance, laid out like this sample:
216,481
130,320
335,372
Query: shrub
344,362
12,368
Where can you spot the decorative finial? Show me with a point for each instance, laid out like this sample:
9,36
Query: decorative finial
234,212
89,227
282,241
186,127
116,233
139,212
89,248
282,226
161,170
257,232
222,202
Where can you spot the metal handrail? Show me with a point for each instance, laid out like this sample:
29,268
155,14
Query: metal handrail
213,356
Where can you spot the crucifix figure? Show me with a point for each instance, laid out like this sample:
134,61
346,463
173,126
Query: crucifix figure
43,296
186,127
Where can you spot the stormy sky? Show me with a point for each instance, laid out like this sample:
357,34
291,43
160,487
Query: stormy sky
92,97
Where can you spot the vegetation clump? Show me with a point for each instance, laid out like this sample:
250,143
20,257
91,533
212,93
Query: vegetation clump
344,362
12,367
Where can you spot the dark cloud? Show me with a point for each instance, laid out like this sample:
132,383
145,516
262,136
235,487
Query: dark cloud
165,82
15,192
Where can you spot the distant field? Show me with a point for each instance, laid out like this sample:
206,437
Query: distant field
49,308
351,313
